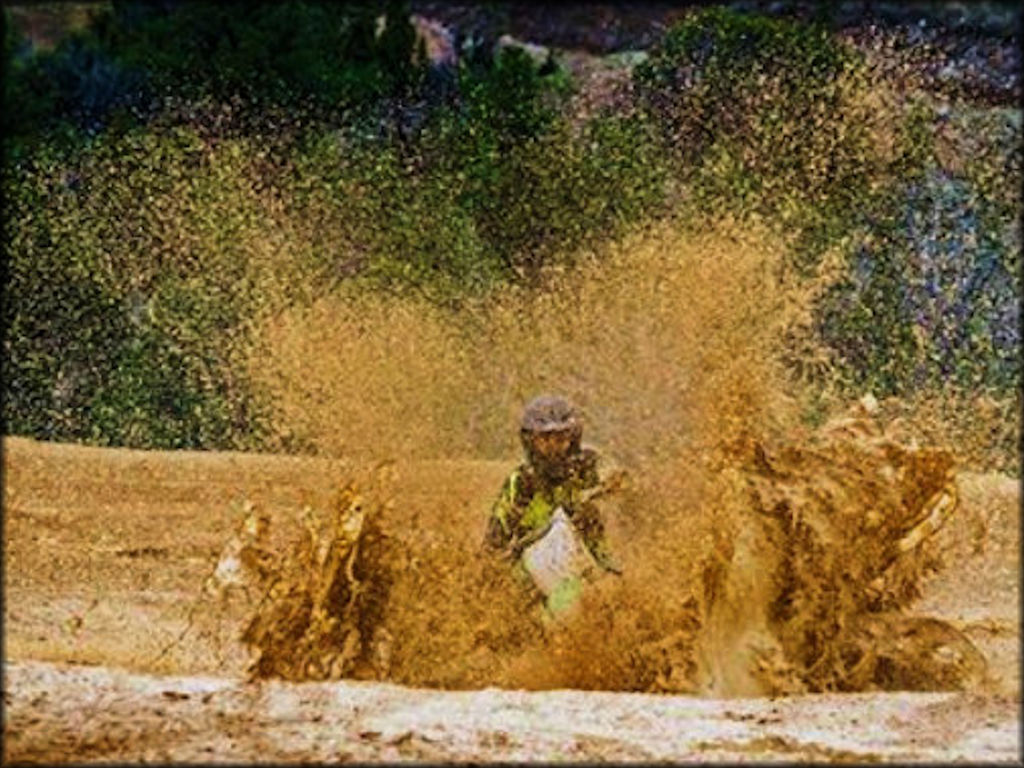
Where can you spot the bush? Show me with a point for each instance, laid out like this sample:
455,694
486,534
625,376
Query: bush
141,257
382,220
765,117
134,266
323,57
776,119
551,196
276,51
534,187
141,254
494,189
749,83
931,299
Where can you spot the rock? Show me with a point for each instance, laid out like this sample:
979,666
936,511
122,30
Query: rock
438,41
627,59
539,53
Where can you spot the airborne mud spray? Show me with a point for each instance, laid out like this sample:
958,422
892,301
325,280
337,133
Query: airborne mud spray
671,346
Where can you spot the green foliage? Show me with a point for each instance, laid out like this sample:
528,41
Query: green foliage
534,187
179,171
395,50
761,115
778,120
61,92
504,101
386,221
993,159
496,189
313,55
277,51
931,298
131,271
140,257
24,85
548,197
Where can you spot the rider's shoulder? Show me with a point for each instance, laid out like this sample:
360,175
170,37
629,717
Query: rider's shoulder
595,455
596,460
588,459
520,475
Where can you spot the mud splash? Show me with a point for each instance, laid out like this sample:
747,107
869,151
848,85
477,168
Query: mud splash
804,589
666,340
761,557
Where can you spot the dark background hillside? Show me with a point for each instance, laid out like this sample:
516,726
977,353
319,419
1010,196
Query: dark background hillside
178,173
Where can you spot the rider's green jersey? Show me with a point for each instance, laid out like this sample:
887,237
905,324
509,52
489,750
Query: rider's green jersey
529,497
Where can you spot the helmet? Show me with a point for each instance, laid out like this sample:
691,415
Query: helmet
551,413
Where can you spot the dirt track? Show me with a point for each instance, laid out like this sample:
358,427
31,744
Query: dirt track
106,551
88,713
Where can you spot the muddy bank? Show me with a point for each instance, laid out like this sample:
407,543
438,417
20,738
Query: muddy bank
56,713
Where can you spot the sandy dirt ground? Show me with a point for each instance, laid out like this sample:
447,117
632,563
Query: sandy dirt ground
106,657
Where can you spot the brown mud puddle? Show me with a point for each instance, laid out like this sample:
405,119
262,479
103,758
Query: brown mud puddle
107,551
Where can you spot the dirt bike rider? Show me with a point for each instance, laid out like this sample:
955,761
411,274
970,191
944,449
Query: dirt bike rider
558,472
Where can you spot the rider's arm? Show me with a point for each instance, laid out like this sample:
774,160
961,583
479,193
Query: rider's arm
588,520
599,477
499,525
